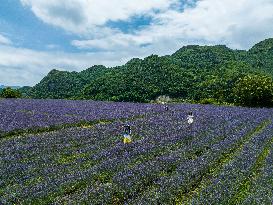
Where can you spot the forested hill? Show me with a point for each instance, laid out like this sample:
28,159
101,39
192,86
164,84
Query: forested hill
63,84
193,73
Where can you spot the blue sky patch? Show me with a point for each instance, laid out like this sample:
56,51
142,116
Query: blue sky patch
132,25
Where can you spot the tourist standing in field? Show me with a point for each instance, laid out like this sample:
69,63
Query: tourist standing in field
166,107
190,122
190,118
127,139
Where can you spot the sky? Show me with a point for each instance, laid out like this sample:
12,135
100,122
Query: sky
37,36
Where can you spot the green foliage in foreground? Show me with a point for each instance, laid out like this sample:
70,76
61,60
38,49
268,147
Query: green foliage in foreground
10,93
202,74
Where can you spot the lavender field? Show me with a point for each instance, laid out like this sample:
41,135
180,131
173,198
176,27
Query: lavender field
24,114
71,152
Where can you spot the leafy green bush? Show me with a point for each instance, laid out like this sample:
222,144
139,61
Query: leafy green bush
10,93
254,90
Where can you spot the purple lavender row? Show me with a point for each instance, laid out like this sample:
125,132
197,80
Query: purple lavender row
105,168
141,168
166,187
24,114
59,177
157,131
113,166
225,187
30,149
29,162
261,191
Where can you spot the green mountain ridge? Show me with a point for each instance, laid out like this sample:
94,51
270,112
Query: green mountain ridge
64,84
191,73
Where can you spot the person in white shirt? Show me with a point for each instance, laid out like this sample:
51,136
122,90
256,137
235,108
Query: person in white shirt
166,108
190,118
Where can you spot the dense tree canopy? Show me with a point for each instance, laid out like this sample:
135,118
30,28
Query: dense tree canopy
24,91
193,73
10,93
254,90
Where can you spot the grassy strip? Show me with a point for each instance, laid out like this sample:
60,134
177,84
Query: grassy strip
37,130
244,188
201,182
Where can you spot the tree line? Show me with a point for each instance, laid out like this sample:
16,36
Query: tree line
197,74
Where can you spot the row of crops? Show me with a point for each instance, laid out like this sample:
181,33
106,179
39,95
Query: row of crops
27,114
225,158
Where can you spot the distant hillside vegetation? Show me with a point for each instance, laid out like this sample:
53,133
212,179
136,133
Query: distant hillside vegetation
206,74
65,85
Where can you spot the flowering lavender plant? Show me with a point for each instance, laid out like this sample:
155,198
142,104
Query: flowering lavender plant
166,163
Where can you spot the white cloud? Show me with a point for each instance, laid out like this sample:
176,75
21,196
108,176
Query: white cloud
83,16
239,24
114,41
4,40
